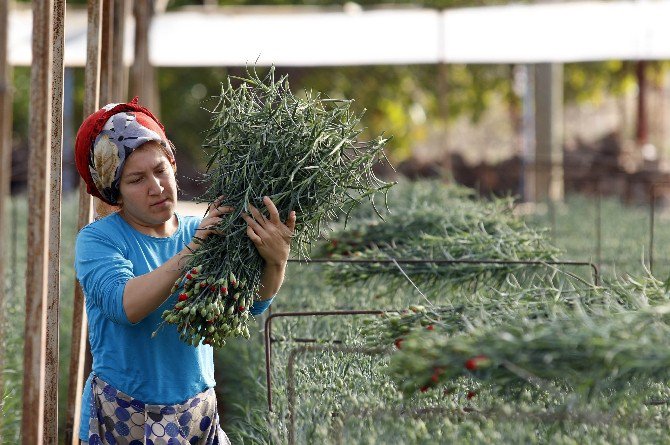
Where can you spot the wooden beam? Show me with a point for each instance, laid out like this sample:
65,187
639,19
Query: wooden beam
5,171
79,329
32,422
51,362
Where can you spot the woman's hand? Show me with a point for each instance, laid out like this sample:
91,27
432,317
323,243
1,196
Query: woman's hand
212,218
271,237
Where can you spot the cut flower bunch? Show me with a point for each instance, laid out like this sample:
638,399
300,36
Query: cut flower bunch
304,153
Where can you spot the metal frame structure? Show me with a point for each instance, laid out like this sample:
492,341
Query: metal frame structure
267,331
594,267
268,337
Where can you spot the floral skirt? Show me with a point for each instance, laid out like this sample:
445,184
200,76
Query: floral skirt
117,418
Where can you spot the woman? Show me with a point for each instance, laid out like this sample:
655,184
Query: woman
145,390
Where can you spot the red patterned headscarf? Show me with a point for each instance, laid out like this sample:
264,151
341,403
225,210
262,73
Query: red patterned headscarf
105,140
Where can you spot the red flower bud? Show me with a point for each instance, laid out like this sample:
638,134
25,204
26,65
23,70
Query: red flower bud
224,289
189,276
203,284
398,342
473,363
241,308
182,297
430,327
435,377
194,271
212,288
424,388
471,394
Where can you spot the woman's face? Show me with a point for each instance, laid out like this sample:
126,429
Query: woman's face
148,187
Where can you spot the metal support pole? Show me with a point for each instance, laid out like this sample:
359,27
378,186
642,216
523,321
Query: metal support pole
527,87
599,225
5,174
119,81
141,72
642,124
549,132
32,422
652,217
77,351
443,112
106,52
51,362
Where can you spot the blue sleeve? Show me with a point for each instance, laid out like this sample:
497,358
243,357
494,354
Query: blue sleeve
102,271
260,306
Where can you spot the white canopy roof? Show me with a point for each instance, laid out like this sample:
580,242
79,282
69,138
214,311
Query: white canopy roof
567,32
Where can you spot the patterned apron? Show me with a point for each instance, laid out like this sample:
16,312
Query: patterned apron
117,418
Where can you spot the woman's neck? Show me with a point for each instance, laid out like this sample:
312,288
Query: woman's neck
161,230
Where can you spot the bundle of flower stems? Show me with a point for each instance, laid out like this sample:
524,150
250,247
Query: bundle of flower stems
459,228
613,339
303,153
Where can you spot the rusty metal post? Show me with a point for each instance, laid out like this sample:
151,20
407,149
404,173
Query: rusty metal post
599,225
119,81
106,52
51,362
32,422
652,217
141,72
78,345
5,172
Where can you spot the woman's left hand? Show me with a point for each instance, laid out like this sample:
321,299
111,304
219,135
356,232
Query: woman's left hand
271,237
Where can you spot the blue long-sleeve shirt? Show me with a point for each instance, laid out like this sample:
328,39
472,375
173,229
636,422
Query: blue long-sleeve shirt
160,370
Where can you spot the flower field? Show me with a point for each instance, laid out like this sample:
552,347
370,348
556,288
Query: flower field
469,352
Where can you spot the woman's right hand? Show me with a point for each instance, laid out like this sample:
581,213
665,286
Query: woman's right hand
212,218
